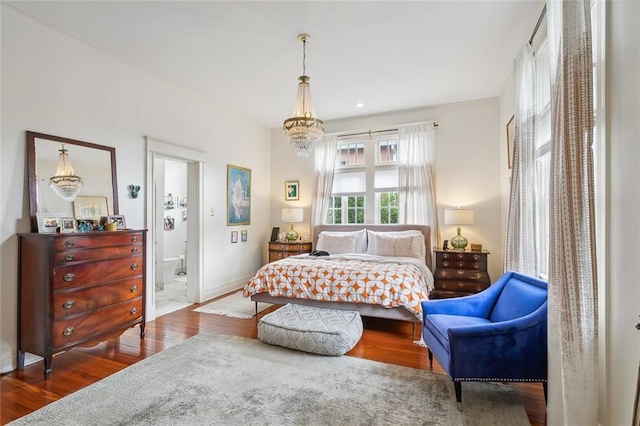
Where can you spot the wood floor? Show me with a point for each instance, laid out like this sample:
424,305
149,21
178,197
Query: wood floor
25,391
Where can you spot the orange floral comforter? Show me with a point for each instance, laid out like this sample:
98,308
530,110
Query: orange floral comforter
360,278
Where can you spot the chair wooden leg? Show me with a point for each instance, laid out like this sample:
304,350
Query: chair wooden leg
430,358
544,388
458,387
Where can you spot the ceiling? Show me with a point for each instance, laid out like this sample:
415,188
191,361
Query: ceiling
245,55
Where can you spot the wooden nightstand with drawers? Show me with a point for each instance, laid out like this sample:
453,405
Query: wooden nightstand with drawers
280,250
460,273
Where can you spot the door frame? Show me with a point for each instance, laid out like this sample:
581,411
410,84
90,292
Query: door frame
157,148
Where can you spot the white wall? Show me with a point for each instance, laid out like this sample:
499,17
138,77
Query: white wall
54,84
469,162
621,276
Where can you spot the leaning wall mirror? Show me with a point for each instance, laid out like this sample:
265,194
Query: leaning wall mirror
63,171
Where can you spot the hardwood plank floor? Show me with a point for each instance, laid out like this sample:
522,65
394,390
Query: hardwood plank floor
22,392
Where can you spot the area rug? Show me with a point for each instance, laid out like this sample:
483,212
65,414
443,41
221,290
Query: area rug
229,380
234,306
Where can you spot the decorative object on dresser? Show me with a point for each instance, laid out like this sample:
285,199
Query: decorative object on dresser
458,217
280,250
460,273
78,290
292,216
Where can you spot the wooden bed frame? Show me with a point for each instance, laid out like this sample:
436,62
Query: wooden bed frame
367,310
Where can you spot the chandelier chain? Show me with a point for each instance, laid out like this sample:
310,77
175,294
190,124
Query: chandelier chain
304,57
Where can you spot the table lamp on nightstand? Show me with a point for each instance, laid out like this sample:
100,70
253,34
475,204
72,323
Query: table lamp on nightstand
458,217
292,216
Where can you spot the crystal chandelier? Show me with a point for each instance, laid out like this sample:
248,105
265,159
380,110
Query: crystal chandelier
303,129
65,183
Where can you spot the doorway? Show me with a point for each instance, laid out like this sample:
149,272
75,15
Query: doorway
186,214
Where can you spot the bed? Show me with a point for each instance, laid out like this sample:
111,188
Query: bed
328,281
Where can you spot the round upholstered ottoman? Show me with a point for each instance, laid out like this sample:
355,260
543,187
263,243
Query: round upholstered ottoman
308,329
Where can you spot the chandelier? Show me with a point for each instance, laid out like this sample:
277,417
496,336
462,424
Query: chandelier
303,129
65,183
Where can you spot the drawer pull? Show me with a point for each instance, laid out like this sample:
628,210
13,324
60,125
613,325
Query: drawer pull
134,239
476,257
134,250
68,304
69,277
134,310
69,257
69,243
68,331
134,266
134,288
445,263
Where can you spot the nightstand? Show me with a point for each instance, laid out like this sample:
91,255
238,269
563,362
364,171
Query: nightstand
460,273
278,250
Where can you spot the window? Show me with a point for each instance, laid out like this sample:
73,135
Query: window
365,185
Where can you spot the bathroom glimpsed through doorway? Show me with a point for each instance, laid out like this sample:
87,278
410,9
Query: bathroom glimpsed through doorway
171,224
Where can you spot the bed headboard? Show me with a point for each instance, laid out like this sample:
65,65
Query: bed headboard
425,229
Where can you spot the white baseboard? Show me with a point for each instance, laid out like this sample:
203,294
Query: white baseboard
9,360
211,293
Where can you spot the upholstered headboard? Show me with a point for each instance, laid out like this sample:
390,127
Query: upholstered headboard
425,229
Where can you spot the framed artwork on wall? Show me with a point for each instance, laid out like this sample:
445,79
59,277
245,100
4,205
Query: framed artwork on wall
238,196
291,190
234,236
169,224
243,235
511,133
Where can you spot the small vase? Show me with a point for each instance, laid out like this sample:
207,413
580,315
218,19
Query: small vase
459,242
292,235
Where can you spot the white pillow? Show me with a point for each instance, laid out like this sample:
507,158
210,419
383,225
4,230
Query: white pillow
418,246
335,244
361,239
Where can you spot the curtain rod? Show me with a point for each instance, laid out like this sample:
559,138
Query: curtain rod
537,27
370,132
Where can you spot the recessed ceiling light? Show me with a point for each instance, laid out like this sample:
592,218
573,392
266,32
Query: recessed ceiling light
359,104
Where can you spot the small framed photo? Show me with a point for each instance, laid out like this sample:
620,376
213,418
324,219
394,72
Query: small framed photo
48,223
184,215
182,202
118,219
243,235
68,225
234,236
169,224
291,190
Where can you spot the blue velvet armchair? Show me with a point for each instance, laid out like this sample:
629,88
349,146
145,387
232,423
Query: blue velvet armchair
499,334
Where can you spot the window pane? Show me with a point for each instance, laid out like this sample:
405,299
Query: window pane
384,179
350,154
387,151
349,182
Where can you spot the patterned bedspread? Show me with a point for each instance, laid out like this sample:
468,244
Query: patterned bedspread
358,278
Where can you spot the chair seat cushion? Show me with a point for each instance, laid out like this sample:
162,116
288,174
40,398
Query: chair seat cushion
439,325
309,329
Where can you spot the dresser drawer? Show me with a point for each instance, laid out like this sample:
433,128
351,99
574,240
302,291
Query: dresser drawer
91,273
480,264
67,332
460,286
97,239
464,256
462,274
296,247
67,303
77,255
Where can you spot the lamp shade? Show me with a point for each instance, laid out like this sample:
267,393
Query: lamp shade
458,217
292,215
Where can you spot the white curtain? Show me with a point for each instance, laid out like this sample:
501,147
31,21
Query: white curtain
573,387
416,178
522,243
325,164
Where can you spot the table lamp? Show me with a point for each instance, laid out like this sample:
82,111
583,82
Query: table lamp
292,215
458,217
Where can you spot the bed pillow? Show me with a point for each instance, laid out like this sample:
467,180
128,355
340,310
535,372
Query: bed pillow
335,244
416,238
361,240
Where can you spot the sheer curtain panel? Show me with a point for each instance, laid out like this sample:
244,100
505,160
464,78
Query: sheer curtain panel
573,340
325,164
416,178
522,246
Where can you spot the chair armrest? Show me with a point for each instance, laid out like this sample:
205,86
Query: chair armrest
475,305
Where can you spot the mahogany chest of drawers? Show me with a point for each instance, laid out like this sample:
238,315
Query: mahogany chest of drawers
459,273
278,250
78,290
